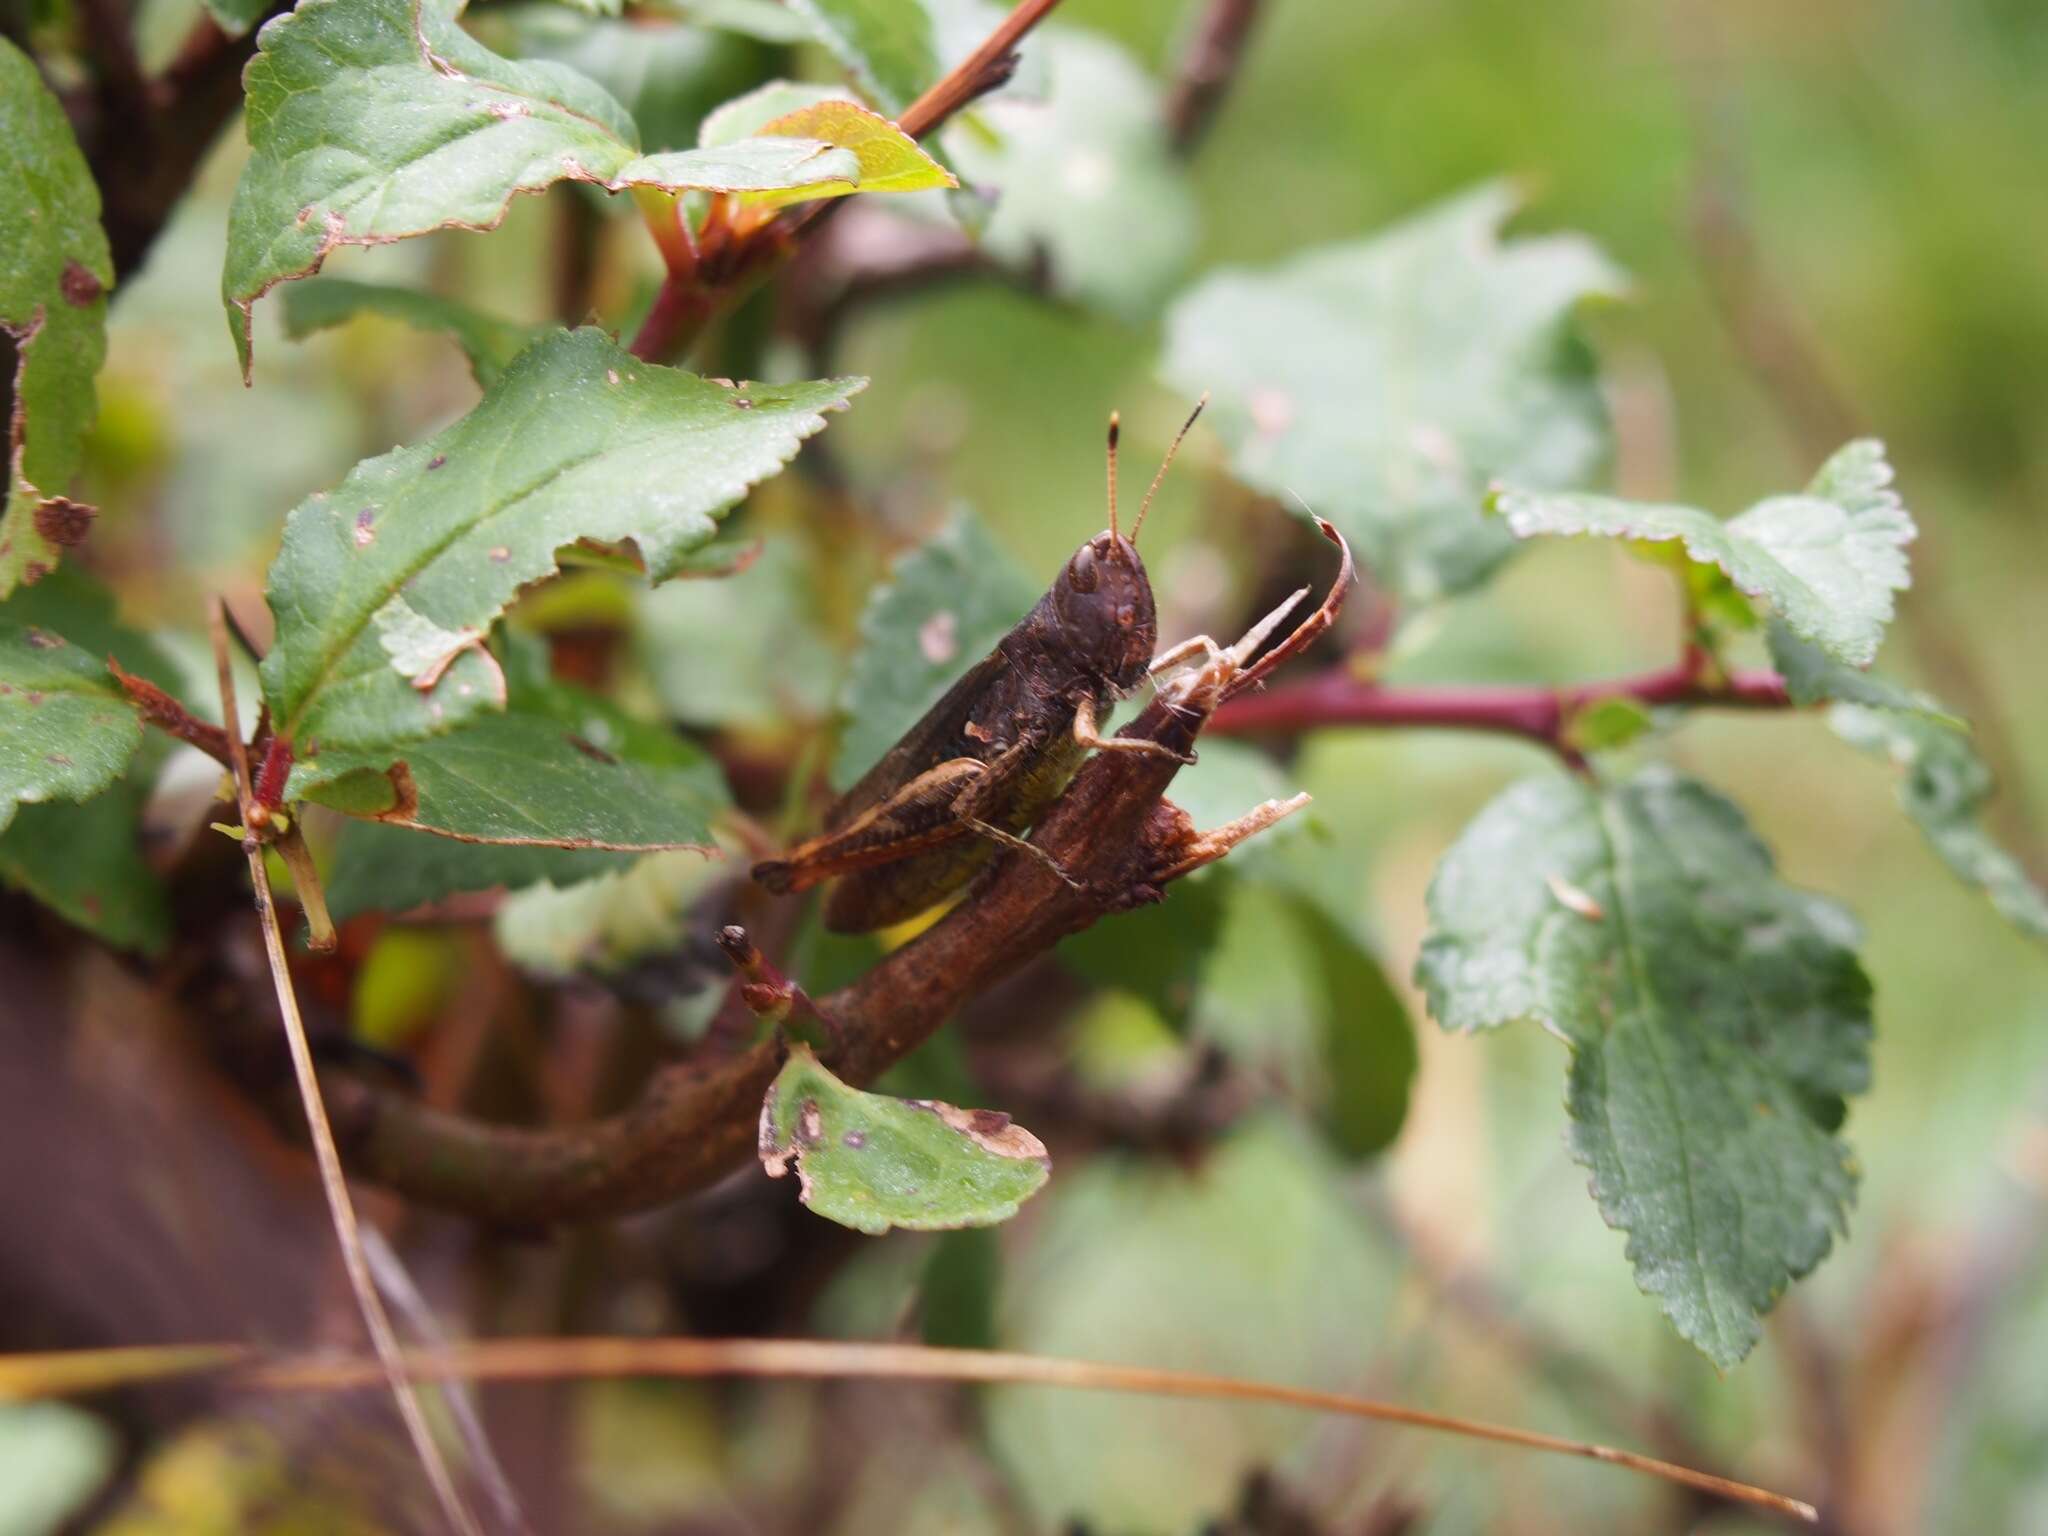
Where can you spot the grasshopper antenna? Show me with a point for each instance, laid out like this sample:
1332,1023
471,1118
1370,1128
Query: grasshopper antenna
1164,464
1112,477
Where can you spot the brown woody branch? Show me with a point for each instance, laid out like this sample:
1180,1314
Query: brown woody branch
1111,833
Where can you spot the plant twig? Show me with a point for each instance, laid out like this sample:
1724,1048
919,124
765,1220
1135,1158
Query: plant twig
1208,65
332,1181
1539,714
982,71
695,292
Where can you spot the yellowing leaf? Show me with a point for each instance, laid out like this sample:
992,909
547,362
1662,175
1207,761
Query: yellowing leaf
890,160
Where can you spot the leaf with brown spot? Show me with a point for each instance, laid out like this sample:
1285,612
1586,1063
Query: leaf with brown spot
54,274
873,1163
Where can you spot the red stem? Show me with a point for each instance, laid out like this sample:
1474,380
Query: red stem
1537,713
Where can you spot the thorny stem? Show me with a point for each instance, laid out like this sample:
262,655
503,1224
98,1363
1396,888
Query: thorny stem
332,1181
1538,714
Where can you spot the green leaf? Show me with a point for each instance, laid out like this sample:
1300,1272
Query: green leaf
55,271
66,728
385,588
1827,560
885,44
1087,189
1606,724
560,768
489,342
85,863
1716,1019
381,868
374,120
1812,676
944,607
1388,381
872,1163
1944,786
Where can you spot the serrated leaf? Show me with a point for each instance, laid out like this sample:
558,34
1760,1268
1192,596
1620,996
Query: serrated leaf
1716,1019
560,768
55,271
1828,560
490,343
887,45
1088,190
873,1163
380,868
374,120
1388,381
1944,786
385,587
944,607
66,728
1812,676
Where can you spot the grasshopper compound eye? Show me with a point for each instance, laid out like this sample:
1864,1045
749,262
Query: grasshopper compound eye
1081,569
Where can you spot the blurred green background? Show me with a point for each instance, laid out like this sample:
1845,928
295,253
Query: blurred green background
1870,172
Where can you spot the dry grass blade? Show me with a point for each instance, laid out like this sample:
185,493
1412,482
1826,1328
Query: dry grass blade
551,1359
332,1181
606,1358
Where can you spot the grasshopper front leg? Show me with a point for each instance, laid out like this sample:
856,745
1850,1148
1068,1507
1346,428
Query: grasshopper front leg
1086,733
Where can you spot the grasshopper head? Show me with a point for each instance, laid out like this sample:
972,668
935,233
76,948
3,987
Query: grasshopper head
1104,604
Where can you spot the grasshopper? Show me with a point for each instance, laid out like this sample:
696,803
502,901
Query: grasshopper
988,758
